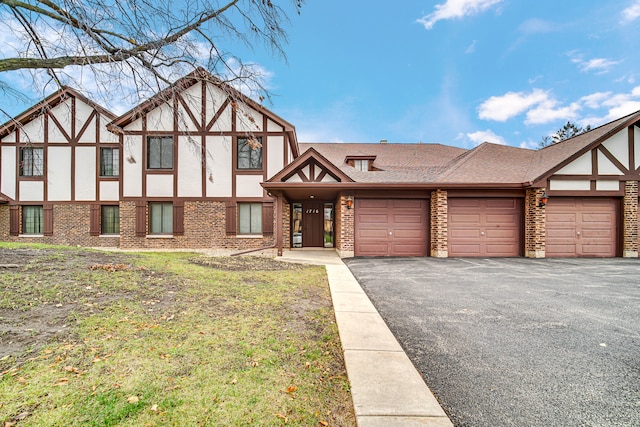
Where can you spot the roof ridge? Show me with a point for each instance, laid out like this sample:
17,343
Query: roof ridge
460,160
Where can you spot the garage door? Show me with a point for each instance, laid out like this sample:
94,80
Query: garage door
391,227
487,227
581,227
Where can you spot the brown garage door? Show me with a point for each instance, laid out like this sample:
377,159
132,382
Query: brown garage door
581,227
487,227
391,227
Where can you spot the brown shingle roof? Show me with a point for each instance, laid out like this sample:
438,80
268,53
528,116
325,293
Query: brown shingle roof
397,162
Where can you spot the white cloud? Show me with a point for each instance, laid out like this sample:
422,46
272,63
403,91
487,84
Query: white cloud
452,9
486,136
595,99
597,65
536,26
472,47
529,144
547,112
631,13
502,108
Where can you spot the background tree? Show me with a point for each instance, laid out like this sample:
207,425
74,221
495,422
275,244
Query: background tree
567,131
136,47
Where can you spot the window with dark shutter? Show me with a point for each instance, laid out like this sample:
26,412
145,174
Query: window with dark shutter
94,220
231,219
267,218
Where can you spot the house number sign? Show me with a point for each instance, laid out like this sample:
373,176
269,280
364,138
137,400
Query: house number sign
312,211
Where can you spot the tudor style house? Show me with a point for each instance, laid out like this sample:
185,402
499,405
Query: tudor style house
199,165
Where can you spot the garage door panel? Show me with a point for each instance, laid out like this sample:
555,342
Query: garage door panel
485,227
581,226
391,227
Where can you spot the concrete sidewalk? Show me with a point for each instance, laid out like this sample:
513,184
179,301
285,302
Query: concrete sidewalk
386,388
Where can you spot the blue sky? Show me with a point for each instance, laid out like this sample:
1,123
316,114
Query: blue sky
457,72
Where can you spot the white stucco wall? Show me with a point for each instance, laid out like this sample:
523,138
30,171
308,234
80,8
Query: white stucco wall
569,185
85,178
33,131
219,166
59,173
109,191
105,135
607,185
132,172
189,167
8,171
193,98
83,111
606,167
618,145
160,185
249,186
248,119
62,112
32,191
580,166
9,138
275,155
273,126
160,118
215,99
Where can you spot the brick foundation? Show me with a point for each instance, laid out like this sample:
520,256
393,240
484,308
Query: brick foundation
535,218
439,227
204,227
630,223
345,228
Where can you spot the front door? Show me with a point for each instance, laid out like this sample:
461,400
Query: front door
312,224
312,230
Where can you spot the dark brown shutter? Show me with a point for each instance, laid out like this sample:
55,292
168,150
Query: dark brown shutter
48,219
141,218
231,218
178,218
267,218
14,220
94,220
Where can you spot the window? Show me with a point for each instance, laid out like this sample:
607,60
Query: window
161,218
110,220
250,218
32,220
109,161
361,165
31,161
160,152
249,153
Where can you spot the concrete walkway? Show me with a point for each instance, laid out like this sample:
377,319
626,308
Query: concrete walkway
386,388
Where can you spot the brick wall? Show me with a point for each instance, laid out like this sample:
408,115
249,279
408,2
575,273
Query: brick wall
204,227
4,222
630,223
535,218
70,227
439,227
345,228
286,225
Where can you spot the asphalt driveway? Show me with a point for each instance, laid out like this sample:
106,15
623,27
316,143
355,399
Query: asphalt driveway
517,342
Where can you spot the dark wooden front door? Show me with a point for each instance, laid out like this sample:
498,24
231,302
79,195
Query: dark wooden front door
312,225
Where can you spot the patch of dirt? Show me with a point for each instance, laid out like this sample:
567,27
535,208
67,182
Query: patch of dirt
37,305
245,263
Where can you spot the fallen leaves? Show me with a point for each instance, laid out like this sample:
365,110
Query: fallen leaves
115,267
133,399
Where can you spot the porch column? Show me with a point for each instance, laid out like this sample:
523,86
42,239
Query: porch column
439,227
535,224
279,223
345,224
630,223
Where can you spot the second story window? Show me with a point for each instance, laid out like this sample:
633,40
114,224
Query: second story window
109,161
31,161
249,153
160,152
361,165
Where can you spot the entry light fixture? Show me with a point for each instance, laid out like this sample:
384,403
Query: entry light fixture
543,200
349,201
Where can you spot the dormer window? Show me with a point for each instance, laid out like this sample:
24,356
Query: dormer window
361,163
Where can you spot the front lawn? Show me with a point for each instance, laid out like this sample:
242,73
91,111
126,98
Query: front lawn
94,338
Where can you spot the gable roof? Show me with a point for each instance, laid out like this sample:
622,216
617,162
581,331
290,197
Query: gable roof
49,102
308,156
198,75
394,163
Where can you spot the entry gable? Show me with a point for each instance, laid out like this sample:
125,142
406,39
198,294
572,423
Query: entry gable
310,167
593,161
